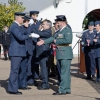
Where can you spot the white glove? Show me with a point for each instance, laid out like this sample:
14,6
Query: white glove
31,21
34,35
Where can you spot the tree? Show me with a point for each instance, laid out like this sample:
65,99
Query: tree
7,12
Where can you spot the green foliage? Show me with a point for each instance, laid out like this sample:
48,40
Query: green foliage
7,12
89,17
85,23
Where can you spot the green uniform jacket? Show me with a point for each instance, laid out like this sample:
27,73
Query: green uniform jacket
63,37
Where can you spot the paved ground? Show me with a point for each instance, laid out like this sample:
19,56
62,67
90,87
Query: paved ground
81,89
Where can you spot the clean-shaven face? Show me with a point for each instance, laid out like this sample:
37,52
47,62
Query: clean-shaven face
97,27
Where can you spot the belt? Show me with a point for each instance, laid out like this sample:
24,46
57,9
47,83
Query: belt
65,45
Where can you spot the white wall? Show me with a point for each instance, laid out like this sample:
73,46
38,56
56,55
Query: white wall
74,11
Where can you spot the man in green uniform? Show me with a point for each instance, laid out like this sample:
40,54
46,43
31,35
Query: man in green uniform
64,54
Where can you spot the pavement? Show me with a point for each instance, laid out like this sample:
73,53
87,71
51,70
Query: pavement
81,89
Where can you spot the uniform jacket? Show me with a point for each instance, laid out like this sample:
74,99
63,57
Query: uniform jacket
34,29
17,45
88,36
6,38
28,42
97,45
63,37
44,49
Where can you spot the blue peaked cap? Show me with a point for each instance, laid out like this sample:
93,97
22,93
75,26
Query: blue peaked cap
34,12
19,13
97,22
26,17
91,23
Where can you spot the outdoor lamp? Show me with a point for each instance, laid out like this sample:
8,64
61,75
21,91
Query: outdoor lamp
57,2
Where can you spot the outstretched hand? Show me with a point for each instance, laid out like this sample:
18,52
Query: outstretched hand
41,42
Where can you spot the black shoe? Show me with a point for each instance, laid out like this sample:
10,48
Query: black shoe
87,78
43,88
56,83
15,93
34,84
25,88
59,93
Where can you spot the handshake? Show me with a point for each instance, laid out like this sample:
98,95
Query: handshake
34,35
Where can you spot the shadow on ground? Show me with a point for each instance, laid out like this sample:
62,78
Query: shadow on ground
75,73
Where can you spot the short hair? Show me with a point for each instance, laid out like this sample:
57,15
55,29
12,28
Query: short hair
49,23
15,17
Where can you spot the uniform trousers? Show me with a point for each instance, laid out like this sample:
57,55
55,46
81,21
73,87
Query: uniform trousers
25,65
65,84
5,49
98,68
14,73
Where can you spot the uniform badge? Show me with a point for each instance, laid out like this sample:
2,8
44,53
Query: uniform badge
60,35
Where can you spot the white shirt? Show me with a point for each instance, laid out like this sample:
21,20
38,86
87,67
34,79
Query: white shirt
17,23
91,31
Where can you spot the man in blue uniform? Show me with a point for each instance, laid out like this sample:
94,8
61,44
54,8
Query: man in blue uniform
33,71
26,63
89,47
5,41
17,51
97,50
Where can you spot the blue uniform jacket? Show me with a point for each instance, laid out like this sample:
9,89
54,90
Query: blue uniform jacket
34,29
91,47
28,42
44,50
97,45
17,46
6,38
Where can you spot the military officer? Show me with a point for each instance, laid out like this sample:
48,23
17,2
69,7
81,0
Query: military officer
17,51
33,71
64,54
26,63
89,47
5,41
97,49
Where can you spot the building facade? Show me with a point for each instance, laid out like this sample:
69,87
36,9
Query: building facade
75,11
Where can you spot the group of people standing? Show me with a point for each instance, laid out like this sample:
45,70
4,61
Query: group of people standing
30,47
91,43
